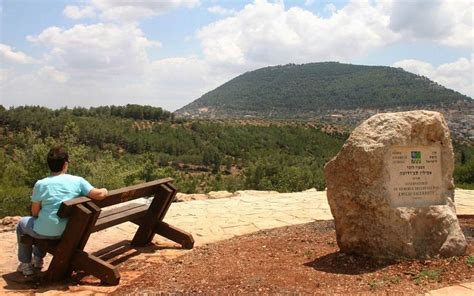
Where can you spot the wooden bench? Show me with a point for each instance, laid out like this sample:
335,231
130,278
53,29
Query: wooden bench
86,217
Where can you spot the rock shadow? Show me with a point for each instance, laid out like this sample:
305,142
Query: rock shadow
342,263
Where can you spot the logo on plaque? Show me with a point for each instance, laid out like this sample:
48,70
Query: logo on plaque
416,157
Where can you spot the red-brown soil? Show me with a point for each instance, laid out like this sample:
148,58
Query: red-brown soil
303,259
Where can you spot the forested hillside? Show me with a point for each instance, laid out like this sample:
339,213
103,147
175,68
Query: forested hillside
292,90
116,149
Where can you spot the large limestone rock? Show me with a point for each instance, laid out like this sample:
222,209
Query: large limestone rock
391,190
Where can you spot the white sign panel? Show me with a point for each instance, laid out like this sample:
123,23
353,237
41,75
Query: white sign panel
415,176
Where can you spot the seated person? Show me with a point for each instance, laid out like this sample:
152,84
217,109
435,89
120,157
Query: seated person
48,194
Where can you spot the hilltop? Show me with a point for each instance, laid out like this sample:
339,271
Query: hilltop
292,91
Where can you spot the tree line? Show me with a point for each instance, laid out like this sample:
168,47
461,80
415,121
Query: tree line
114,151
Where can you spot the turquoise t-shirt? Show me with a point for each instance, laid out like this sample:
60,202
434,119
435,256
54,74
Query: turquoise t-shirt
51,192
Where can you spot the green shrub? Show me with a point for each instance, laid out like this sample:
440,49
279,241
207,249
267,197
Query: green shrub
15,201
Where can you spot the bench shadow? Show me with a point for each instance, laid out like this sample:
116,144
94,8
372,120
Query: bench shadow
114,254
118,253
341,263
15,281
123,250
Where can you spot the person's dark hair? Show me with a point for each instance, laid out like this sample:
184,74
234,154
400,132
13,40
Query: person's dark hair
57,156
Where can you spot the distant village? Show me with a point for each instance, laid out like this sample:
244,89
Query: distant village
460,118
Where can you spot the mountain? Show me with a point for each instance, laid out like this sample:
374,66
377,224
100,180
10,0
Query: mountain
292,90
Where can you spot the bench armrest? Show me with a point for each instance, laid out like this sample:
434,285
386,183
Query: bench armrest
66,207
117,196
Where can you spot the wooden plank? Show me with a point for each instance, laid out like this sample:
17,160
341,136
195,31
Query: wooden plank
173,188
97,267
120,217
132,192
48,245
145,232
66,207
95,212
109,212
175,234
59,267
26,239
169,201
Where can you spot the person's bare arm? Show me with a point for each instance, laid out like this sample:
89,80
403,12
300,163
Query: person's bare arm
35,208
98,194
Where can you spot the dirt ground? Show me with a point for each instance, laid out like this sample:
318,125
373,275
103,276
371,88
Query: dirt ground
301,259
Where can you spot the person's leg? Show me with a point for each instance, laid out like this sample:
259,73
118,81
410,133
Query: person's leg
24,250
27,228
38,253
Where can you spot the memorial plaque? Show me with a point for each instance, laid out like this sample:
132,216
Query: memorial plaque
415,176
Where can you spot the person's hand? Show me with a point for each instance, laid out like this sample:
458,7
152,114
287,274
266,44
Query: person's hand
98,194
105,191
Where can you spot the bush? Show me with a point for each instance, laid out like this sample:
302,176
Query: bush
15,201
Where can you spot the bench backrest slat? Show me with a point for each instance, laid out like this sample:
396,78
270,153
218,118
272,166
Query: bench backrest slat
66,207
147,189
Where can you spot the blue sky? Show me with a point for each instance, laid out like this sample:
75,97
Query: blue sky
168,53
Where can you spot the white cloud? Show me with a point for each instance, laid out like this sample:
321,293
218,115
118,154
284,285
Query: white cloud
220,10
169,83
75,12
458,75
9,55
108,63
105,64
132,10
447,22
309,2
266,33
181,80
331,8
50,73
4,75
96,50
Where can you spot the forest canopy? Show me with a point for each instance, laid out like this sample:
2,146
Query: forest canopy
288,90
114,147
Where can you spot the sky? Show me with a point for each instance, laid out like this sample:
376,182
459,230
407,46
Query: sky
168,53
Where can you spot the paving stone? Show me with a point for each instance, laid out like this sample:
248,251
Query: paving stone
450,291
240,229
469,286
295,220
268,224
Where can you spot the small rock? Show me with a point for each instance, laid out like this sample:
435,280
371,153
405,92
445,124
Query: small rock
220,194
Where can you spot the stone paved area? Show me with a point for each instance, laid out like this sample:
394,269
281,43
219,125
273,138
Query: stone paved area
219,219
249,211
464,200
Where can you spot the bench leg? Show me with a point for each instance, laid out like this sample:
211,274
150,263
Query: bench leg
145,231
97,267
175,234
77,226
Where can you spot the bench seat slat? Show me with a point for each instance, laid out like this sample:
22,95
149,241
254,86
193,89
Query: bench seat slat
119,215
109,212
